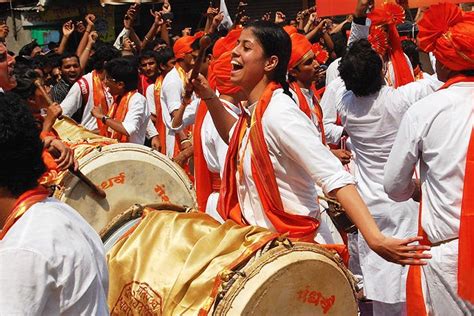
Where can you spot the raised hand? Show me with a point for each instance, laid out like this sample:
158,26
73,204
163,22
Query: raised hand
80,28
4,30
68,28
158,19
93,36
280,17
90,19
166,7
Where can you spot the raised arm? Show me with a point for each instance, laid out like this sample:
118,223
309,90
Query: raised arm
90,19
68,29
86,53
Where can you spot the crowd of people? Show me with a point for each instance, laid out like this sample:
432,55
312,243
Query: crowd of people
266,117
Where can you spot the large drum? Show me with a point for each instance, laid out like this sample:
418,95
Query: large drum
172,263
128,174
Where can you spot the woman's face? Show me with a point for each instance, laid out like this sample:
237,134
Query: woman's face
248,61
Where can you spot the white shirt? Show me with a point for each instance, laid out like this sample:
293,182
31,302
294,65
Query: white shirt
333,92
52,263
436,131
137,118
171,98
73,102
309,96
372,123
299,159
214,150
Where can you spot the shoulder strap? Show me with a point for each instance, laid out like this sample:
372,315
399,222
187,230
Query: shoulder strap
85,91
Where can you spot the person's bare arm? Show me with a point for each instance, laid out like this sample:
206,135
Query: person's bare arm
84,58
68,29
90,19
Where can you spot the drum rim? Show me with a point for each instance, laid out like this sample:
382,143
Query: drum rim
136,211
223,306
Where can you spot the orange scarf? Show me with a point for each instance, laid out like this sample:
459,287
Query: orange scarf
23,204
415,300
99,100
159,124
297,226
304,106
118,114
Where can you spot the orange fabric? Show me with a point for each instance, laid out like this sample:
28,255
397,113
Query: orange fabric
159,124
227,43
379,40
320,53
99,100
301,49
447,32
23,204
118,113
289,29
418,73
304,106
392,14
221,72
297,226
183,46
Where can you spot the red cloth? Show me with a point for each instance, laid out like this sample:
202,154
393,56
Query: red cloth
379,40
301,49
320,53
447,32
297,226
392,14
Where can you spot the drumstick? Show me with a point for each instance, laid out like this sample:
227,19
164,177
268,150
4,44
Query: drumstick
46,96
204,43
77,173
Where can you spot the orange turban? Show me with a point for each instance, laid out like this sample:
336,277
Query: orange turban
301,48
448,32
183,46
379,40
221,68
227,43
290,29
320,53
392,14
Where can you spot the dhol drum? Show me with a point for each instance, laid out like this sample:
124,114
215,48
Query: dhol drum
193,265
128,173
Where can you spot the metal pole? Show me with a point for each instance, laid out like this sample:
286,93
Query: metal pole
15,33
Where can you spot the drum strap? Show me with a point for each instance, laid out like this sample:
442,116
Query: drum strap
84,88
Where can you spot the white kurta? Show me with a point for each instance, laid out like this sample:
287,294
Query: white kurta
52,263
73,102
436,131
137,118
171,98
299,160
215,150
372,123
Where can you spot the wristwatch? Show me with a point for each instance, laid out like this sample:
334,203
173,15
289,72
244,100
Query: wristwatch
104,118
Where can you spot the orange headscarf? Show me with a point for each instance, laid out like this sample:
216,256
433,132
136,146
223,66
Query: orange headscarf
320,53
222,68
227,43
447,31
301,49
392,14
183,46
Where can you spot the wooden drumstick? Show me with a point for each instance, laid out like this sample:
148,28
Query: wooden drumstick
45,94
204,43
98,191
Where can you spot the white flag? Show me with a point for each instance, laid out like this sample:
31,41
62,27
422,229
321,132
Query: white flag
227,21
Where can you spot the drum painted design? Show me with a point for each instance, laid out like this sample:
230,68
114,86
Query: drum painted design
129,174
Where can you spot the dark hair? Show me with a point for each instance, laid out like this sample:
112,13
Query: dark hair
28,48
361,69
274,41
122,69
411,50
147,54
164,55
67,55
21,146
41,62
102,55
25,79
52,45
340,44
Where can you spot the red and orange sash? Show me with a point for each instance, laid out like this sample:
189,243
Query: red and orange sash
304,106
22,204
297,226
415,299
118,114
100,100
159,124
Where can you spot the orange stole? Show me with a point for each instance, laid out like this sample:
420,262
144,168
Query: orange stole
304,106
99,100
297,226
415,300
23,204
118,113
202,176
159,124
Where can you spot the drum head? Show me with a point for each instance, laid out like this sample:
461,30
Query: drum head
129,174
300,280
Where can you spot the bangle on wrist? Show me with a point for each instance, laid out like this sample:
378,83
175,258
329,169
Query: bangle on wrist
184,141
146,39
104,119
209,98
